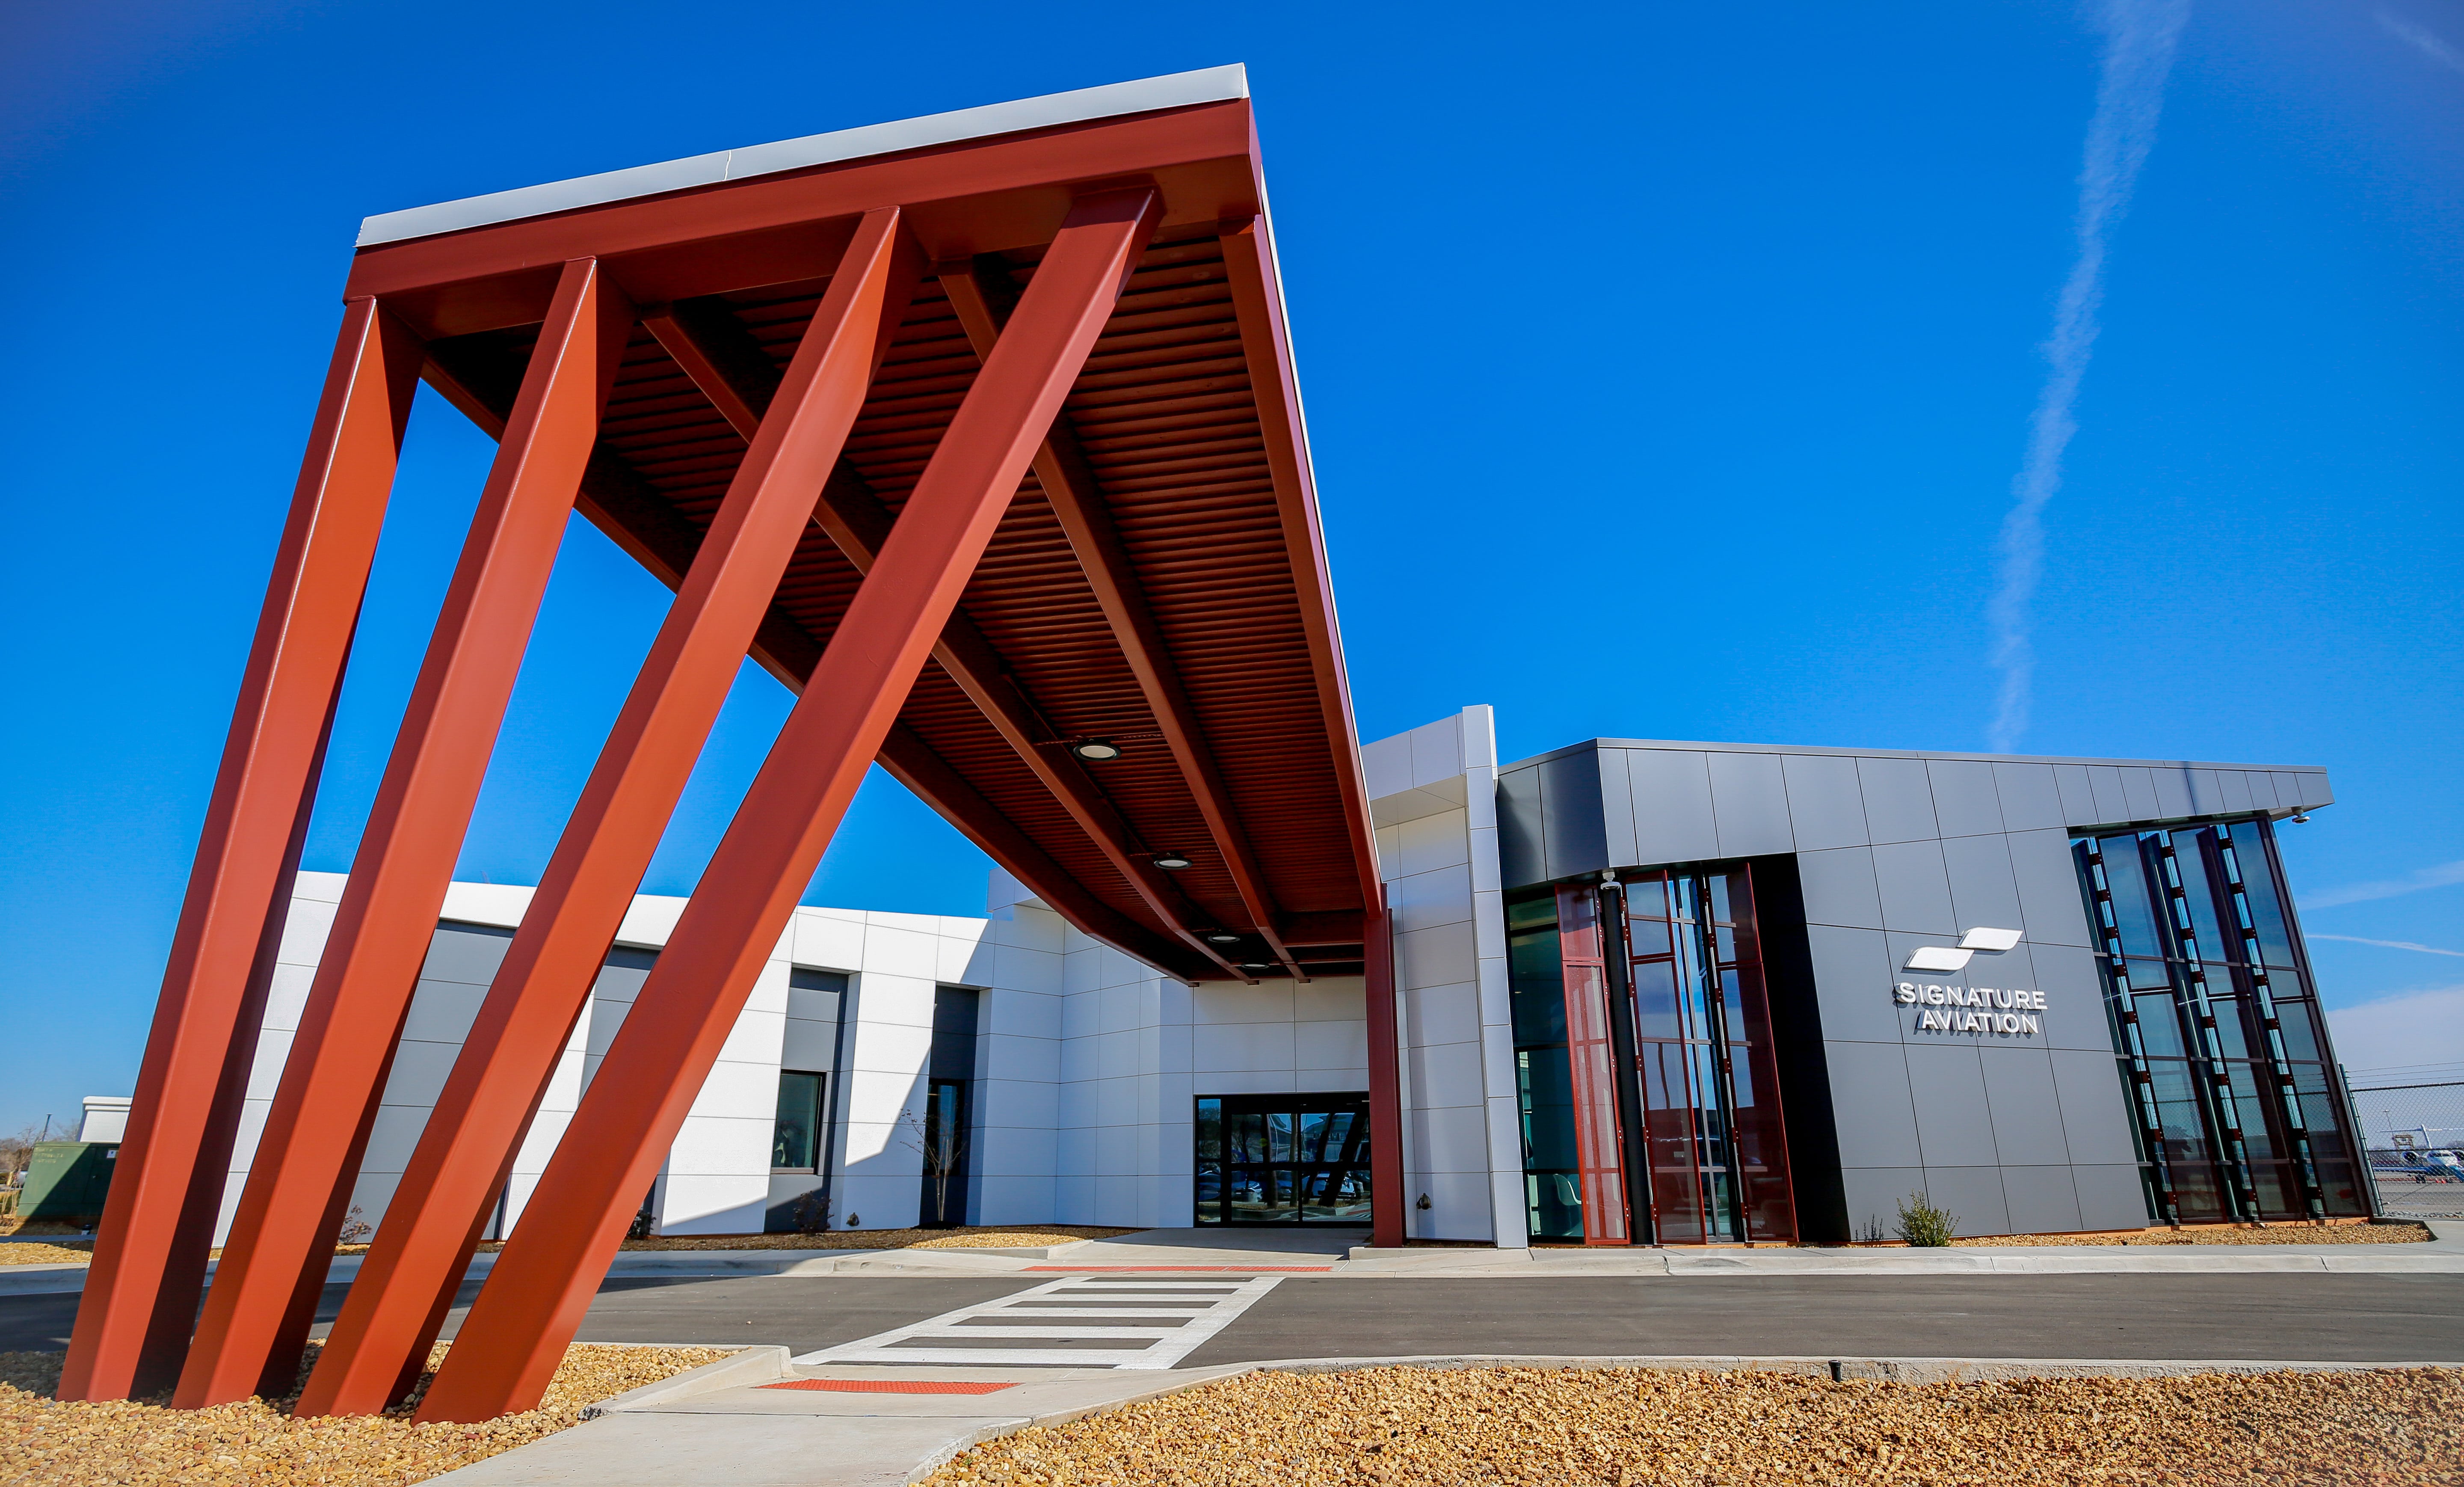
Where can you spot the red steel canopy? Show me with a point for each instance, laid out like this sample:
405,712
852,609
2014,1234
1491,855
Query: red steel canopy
981,431
1177,483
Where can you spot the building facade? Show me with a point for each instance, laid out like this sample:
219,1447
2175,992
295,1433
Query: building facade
1647,992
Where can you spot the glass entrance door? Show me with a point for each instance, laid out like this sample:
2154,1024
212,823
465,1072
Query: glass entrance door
1712,1137
1282,1159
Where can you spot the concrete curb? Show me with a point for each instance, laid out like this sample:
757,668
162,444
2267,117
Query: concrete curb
748,1366
1893,1371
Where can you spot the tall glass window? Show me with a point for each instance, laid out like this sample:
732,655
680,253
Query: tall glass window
2218,1024
1282,1159
796,1138
1711,1121
1551,1186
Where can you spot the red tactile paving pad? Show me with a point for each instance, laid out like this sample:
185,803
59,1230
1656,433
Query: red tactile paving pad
890,1385
1177,1270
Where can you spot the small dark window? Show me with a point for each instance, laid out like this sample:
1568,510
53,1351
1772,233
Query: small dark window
795,1142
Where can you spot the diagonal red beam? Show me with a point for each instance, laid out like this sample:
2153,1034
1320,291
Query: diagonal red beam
855,520
450,1185
543,1282
1086,517
281,1238
150,1261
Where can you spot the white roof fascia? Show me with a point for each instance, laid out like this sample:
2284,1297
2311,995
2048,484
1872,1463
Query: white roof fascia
1179,90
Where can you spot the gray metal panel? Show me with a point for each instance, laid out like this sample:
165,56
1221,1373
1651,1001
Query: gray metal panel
2096,1110
469,953
1672,805
2174,795
1750,802
2042,1200
1873,1195
1617,807
2079,795
1852,974
1522,839
2232,786
1948,1084
2317,790
2207,793
2074,987
1840,887
1972,1194
2262,789
1899,800
1824,805
2027,1114
1870,1106
2139,787
1964,799
2294,790
2046,876
1569,807
2111,803
1915,889
2110,1196
2030,796
1982,891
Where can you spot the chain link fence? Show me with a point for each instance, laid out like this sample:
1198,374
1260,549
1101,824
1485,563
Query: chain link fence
2415,1135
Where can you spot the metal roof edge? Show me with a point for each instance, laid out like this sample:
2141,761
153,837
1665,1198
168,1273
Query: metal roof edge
1898,753
1145,95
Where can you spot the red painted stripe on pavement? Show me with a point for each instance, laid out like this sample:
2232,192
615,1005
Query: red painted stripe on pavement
1194,1268
890,1385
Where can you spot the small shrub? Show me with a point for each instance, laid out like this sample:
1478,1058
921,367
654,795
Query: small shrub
356,1229
1923,1225
1872,1234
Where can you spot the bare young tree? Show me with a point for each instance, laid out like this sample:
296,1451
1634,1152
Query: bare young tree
944,1146
17,1153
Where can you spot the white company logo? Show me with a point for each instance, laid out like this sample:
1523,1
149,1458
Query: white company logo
1943,957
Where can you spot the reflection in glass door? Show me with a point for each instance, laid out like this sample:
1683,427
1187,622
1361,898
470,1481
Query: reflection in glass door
1282,1159
1717,1153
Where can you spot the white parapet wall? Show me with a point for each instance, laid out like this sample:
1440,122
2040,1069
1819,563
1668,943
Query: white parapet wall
1433,797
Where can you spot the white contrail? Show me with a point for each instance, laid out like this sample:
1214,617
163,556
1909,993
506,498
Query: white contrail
2424,40
2139,37
2389,945
2444,874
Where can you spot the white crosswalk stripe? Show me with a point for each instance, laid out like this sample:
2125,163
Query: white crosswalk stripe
1056,1312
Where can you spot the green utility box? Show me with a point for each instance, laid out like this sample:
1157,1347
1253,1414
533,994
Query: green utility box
67,1182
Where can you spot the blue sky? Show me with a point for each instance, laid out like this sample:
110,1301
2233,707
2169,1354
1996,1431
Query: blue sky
1668,370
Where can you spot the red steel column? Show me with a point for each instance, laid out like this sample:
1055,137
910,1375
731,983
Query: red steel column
150,1259
543,1280
281,1240
1387,1200
450,1187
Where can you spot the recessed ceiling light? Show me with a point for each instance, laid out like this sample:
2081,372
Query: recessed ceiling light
1222,937
1171,862
1096,749
1255,966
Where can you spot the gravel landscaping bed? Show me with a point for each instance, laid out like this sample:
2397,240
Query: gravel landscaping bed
1639,1427
2222,1233
45,1441
33,1252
